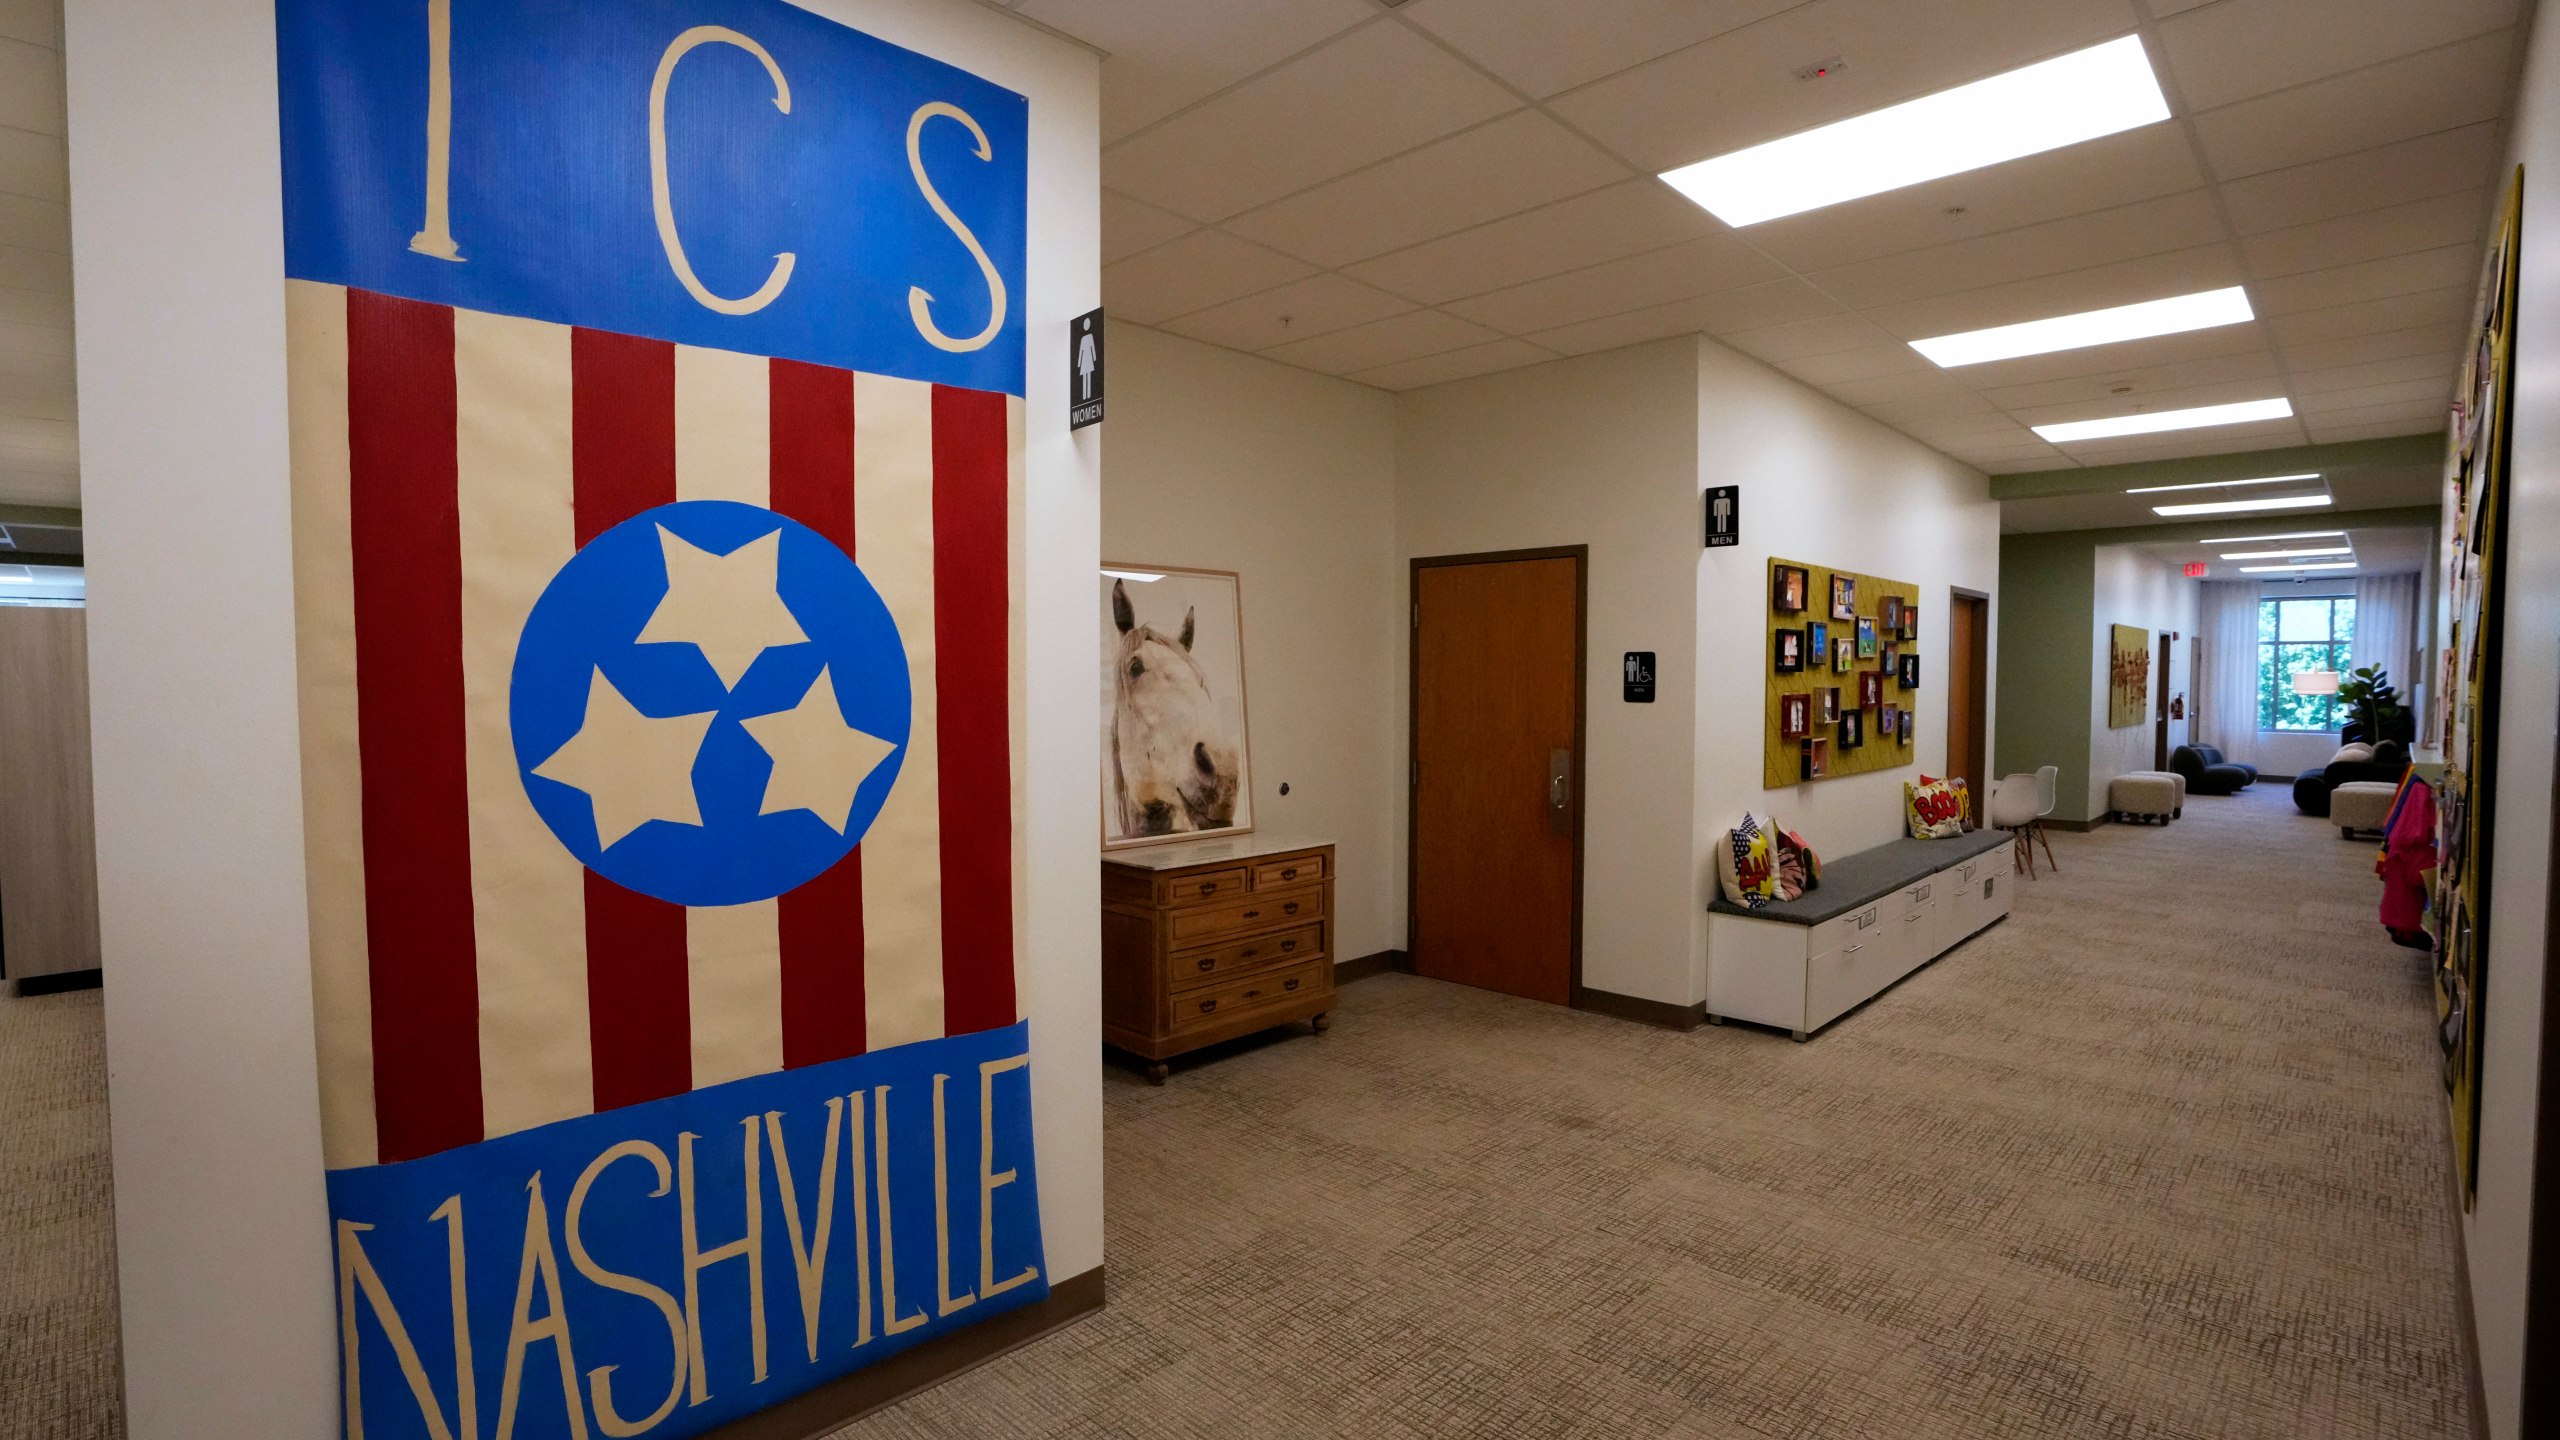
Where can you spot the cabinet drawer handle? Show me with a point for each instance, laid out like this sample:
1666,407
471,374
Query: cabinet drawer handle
1253,914
1854,949
1288,945
1247,953
1208,1005
1289,909
1208,962
1289,874
1291,985
1208,887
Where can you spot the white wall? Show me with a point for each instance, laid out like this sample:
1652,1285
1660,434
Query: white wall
1226,462
2132,589
1599,451
2496,1232
222,1234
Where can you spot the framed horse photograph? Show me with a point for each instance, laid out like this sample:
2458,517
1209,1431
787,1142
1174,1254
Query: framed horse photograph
1175,764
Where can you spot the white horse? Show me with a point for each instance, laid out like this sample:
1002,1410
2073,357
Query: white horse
1173,768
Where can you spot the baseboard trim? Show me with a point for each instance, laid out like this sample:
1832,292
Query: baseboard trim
1367,965
1640,1010
57,983
839,1403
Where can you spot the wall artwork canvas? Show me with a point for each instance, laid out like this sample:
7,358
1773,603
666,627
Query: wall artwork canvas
1866,637
1795,716
1844,597
1849,642
1174,758
1870,689
659,647
2128,676
1789,658
1789,589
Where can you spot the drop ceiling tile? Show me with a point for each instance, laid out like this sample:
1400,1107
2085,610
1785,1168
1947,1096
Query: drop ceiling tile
1391,341
2103,174
1696,267
1891,357
2257,366
1625,219
2441,344
1988,427
1499,168
2429,166
38,397
2419,225
2448,306
2150,227
2439,367
1315,306
2180,397
2436,391
2240,48
1750,307
2460,84
38,22
48,271
1798,339
37,166
1165,54
2327,431
1456,365
1200,269
2149,277
36,342
2436,269
32,487
1928,409
2124,357
35,307
2021,466
1130,226
1654,115
2414,417
1883,389
35,224
30,87
1375,92
1543,48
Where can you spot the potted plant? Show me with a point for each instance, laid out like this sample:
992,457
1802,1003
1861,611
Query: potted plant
2367,694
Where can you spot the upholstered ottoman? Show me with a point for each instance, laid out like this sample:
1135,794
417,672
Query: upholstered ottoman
2361,805
2174,778
2142,797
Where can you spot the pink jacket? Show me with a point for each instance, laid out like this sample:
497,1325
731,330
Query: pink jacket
2408,853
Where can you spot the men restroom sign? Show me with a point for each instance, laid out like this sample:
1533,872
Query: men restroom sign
1084,371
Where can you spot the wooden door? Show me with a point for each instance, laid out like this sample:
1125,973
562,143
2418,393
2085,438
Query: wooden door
48,842
2160,704
1497,772
1968,646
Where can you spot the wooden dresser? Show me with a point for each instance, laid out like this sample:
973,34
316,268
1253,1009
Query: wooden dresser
1206,941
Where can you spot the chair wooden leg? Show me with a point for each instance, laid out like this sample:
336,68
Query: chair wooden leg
2049,862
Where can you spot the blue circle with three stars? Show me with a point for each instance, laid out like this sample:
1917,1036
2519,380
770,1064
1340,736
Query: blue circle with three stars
583,651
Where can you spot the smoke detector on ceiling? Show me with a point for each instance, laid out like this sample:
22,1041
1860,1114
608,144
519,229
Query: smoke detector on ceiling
1822,69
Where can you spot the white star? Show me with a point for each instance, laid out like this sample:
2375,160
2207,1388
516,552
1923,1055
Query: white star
818,760
725,604
635,768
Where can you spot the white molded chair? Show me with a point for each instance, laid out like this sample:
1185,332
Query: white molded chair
2013,808
2044,806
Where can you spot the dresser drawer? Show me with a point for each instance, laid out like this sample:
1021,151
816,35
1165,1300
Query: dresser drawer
1204,887
1842,931
1246,916
1217,1004
1288,870
1193,968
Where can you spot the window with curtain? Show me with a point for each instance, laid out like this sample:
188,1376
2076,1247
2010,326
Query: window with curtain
2296,635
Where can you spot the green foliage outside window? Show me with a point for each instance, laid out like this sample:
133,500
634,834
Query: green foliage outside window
2295,636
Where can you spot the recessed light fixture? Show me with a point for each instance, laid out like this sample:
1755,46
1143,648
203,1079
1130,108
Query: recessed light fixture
2304,553
2175,315
2063,101
2221,484
2294,569
1140,576
2288,535
2234,507
2158,420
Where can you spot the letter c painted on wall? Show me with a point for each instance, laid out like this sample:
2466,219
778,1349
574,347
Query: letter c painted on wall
661,201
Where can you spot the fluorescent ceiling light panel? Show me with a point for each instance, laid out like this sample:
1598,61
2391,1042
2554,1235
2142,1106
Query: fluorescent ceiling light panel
2288,535
2231,507
2173,316
2301,554
2294,569
2221,484
2063,101
2158,420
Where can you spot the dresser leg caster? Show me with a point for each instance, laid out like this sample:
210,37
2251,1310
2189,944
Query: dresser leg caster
1322,1020
1157,1072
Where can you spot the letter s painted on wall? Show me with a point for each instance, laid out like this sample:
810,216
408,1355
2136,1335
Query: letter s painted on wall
920,300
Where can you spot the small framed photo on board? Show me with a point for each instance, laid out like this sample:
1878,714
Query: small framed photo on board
1817,643
1888,721
1866,638
1816,761
1891,614
1870,689
1904,729
1853,730
1910,627
1844,597
1844,654
1789,655
1889,660
1787,589
1829,699
1910,674
1795,716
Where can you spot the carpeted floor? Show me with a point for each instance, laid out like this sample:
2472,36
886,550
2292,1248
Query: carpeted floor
59,1374
2161,1156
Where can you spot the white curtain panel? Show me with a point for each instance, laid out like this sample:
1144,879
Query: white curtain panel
2387,629
2226,680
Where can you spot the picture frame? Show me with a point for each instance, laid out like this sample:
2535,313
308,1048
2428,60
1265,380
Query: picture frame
1790,589
1853,729
1817,643
1889,615
1905,724
1888,720
1788,656
1889,659
1866,637
1910,627
1844,597
1844,655
1828,698
1816,760
1870,689
1172,659
1795,716
1909,674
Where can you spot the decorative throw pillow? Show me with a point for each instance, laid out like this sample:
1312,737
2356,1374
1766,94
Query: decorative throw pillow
2356,752
1744,867
1934,808
1799,869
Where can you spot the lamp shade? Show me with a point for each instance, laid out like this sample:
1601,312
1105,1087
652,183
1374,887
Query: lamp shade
2315,682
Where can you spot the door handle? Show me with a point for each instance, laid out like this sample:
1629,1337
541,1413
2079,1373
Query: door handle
1560,791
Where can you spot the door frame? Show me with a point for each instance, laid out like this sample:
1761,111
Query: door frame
1580,555
1978,696
2160,701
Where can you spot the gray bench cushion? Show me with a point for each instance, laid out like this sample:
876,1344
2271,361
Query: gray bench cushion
1868,876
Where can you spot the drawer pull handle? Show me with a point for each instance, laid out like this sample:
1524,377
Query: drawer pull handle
1854,949
1287,945
1289,874
1253,994
1209,962
1289,909
1247,953
1253,914
1208,887
1291,985
1208,1005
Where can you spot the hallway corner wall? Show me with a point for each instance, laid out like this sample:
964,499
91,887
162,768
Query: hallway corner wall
2130,588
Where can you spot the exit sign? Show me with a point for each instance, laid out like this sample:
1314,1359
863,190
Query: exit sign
2195,569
